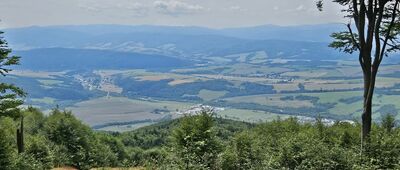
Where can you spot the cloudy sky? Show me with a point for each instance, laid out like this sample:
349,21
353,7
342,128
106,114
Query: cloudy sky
207,13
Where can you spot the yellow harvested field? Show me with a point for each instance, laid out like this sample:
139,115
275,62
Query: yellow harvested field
270,100
286,87
36,74
176,79
238,78
182,81
154,77
119,109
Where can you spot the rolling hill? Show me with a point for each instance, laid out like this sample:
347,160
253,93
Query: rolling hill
57,59
299,42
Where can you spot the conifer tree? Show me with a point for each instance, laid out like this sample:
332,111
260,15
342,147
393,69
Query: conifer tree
9,93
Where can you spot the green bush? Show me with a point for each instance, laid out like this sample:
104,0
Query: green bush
243,153
198,142
38,149
28,162
195,142
6,150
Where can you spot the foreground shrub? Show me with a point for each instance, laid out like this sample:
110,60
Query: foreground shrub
195,142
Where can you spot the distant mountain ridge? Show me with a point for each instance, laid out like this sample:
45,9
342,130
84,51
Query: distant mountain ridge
308,42
314,33
58,59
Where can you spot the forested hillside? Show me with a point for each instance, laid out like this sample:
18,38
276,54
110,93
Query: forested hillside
198,142
59,59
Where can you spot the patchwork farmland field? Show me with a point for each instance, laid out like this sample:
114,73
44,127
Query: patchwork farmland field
249,90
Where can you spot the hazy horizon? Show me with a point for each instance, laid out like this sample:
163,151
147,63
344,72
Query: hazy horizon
185,26
207,13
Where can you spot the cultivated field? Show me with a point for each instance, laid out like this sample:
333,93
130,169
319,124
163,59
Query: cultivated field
249,86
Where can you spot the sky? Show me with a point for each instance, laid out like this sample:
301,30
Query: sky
205,13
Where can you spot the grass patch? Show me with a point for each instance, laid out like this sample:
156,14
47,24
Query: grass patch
120,109
209,95
45,100
250,116
49,82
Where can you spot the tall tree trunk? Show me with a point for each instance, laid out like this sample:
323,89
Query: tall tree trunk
369,87
366,119
20,137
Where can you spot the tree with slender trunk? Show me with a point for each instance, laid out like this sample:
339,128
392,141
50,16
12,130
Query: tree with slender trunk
374,34
10,95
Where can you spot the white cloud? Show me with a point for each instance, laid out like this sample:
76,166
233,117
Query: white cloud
133,8
173,7
137,9
237,9
300,8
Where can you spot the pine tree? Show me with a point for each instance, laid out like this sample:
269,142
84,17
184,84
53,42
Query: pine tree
9,93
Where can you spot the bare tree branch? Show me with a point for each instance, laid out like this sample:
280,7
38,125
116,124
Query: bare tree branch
352,36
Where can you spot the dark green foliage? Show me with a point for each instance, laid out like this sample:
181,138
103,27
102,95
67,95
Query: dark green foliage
242,154
34,120
195,142
187,91
5,59
39,149
344,42
9,93
58,140
77,141
117,148
26,161
6,151
301,87
64,129
388,122
198,142
383,150
158,134
65,92
351,100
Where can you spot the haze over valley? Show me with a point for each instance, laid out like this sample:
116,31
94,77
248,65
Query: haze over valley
118,77
199,85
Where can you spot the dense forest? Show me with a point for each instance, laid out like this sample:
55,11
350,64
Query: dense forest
197,142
